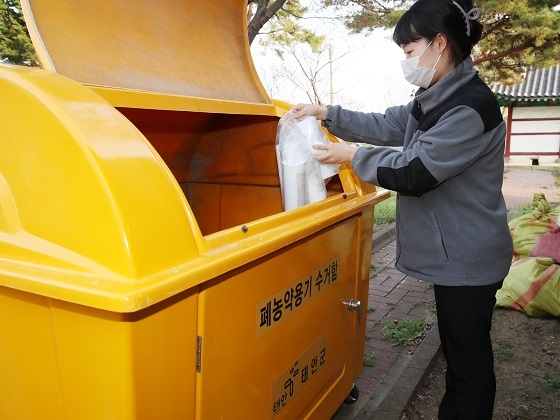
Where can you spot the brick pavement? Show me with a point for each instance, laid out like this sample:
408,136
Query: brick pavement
394,297
520,185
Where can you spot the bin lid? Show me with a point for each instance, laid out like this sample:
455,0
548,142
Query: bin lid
191,48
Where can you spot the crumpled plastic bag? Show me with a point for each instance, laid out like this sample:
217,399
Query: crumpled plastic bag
302,178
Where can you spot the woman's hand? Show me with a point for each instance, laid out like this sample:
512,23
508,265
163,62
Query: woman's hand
335,152
317,111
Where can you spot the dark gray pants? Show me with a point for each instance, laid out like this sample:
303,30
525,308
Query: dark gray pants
464,317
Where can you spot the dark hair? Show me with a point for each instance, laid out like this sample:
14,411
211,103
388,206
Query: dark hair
427,18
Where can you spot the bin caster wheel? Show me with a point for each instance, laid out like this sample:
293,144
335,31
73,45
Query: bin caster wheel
353,396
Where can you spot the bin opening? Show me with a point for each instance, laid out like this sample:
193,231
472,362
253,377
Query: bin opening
224,163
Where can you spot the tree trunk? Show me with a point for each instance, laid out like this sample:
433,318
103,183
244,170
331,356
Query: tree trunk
263,14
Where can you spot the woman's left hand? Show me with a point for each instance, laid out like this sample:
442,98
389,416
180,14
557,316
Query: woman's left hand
335,153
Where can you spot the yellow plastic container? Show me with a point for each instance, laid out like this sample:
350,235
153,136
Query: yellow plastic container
147,270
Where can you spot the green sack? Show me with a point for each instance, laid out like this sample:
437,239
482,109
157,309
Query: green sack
532,286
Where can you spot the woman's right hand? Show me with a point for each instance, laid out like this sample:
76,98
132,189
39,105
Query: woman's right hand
317,111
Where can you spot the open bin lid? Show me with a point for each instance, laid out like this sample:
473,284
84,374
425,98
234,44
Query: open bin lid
189,48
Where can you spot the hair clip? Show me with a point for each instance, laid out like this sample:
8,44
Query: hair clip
472,14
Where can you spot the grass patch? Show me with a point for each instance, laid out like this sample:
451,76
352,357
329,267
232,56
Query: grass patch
504,352
519,211
370,308
415,303
405,332
551,381
431,305
556,174
369,359
385,212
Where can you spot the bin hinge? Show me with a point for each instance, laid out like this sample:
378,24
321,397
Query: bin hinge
198,353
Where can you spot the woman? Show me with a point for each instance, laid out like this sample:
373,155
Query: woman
451,215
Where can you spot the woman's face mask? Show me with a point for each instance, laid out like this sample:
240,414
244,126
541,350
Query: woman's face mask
417,75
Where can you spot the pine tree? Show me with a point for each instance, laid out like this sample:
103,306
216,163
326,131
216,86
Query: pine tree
15,44
516,34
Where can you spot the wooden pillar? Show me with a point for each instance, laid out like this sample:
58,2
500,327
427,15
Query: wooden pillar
508,130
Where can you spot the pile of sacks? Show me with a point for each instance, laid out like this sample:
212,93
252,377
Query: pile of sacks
533,282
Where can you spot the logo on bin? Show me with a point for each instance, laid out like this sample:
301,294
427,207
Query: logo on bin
285,302
293,379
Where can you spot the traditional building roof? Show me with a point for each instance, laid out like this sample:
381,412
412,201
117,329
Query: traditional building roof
539,87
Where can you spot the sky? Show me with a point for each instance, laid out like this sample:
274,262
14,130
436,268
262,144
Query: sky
367,78
367,74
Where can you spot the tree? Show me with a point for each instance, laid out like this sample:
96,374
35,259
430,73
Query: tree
306,68
310,72
280,17
516,33
302,54
300,50
260,12
15,44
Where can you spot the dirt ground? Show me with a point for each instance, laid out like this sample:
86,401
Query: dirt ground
527,365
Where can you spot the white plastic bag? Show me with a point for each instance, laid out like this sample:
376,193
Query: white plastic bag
302,178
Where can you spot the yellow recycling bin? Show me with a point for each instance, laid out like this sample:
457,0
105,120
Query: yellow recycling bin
147,270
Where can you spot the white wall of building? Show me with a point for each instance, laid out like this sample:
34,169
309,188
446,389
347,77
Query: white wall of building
535,144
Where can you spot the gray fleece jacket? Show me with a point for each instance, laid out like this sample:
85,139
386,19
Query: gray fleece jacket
451,215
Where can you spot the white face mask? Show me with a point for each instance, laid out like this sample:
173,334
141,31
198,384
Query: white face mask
416,75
